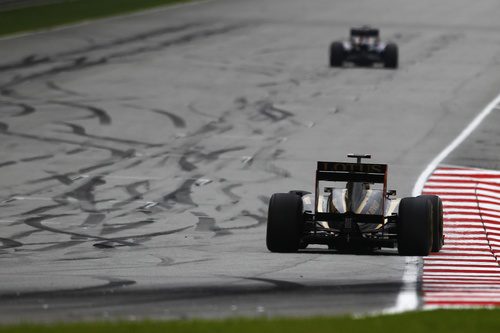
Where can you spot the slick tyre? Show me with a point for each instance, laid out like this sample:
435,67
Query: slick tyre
391,56
415,227
285,223
336,54
437,221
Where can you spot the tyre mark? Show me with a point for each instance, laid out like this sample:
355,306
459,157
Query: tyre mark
9,243
115,228
261,220
101,114
187,38
181,195
4,129
216,154
62,178
24,234
207,224
93,219
25,109
133,164
233,198
171,262
99,166
135,38
111,284
270,111
185,164
36,222
36,158
40,210
84,194
176,120
200,157
194,109
133,191
82,61
26,62
75,151
52,85
33,60
280,285
73,65
60,245
4,164
80,131
227,190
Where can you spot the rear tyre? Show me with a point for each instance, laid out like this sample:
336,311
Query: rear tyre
285,223
437,221
336,54
415,227
391,56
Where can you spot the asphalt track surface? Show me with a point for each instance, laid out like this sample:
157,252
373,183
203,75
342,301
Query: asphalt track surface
138,154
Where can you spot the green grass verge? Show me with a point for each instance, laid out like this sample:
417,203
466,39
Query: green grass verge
51,15
441,321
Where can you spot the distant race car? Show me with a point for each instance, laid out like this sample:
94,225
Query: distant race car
351,209
364,48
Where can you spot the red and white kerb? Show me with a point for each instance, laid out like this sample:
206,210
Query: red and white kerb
466,272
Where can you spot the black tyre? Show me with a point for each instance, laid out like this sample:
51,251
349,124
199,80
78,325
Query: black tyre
415,227
437,221
391,56
336,54
285,223
300,193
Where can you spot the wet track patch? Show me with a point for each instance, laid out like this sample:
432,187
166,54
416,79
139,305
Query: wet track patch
466,272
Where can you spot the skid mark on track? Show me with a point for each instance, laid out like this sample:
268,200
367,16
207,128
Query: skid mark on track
36,222
261,219
4,129
207,224
79,59
26,62
101,114
80,131
54,86
182,195
23,108
176,120
117,227
109,286
6,243
273,113
84,194
93,219
280,285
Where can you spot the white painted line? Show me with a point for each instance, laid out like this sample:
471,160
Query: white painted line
407,299
417,189
110,18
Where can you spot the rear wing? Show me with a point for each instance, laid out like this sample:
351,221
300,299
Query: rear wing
364,32
350,172
354,172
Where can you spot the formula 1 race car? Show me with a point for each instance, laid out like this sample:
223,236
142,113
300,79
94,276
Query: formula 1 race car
364,48
351,209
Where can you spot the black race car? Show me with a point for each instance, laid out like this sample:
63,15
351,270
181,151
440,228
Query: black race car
351,209
364,48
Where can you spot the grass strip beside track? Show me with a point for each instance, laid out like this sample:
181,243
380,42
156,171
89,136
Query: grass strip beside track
51,15
440,321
